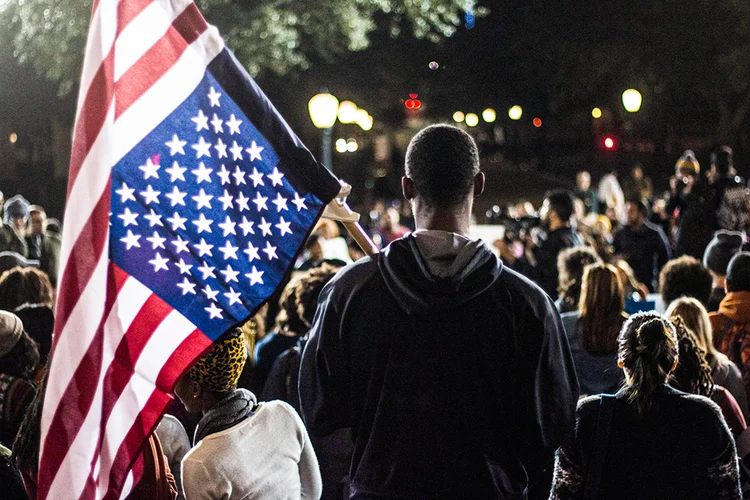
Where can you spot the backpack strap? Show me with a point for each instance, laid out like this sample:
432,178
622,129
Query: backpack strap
601,444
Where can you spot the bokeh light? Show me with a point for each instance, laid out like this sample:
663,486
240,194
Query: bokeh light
347,112
458,116
537,122
596,113
489,115
434,65
13,138
515,113
472,120
631,100
341,145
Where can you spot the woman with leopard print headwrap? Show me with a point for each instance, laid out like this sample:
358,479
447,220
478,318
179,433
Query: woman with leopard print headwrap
242,449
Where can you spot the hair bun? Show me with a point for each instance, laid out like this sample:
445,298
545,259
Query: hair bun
650,333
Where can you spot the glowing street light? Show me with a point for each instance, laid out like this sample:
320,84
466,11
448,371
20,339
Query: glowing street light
596,113
13,138
537,122
323,110
631,100
341,145
458,116
489,115
515,113
347,112
472,120
352,146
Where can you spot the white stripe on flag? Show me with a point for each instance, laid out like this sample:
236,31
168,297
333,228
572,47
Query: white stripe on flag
69,481
167,337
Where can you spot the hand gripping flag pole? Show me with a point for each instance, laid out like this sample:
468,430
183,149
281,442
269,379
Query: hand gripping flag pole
338,210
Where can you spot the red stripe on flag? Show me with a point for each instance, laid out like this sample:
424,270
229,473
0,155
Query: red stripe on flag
185,29
180,360
129,10
122,368
84,256
68,417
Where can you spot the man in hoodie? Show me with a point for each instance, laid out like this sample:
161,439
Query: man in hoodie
731,324
453,372
13,225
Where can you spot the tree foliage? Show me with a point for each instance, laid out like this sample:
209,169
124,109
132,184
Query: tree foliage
273,36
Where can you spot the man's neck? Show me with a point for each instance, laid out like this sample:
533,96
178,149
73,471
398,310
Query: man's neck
456,220
719,281
554,225
637,224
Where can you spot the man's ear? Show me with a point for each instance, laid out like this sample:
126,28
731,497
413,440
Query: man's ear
479,180
407,186
195,389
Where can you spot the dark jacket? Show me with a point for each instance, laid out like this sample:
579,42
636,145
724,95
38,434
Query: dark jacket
46,249
696,220
545,270
732,199
454,388
679,449
646,250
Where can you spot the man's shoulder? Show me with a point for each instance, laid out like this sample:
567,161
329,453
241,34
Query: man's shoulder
522,290
354,275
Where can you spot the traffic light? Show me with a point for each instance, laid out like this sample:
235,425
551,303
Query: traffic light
609,143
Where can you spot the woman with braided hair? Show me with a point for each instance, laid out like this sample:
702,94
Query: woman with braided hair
649,440
242,449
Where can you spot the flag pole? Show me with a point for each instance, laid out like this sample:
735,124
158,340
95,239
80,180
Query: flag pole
338,210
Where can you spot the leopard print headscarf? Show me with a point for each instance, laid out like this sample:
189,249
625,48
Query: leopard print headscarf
220,368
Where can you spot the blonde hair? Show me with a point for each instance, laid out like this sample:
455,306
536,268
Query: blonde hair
695,317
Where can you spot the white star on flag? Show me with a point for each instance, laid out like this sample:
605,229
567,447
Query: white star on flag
265,226
184,267
300,202
210,293
216,122
156,241
214,98
257,178
213,311
254,151
153,219
177,222
203,249
239,176
242,202
128,218
270,251
202,173
150,196
207,271
233,124
230,274
283,226
180,245
226,200
229,251
159,263
260,201
280,203
246,226
252,252
234,297
202,148
176,197
236,150
175,172
256,277
149,169
221,148
276,177
203,200
131,240
224,175
201,121
203,225
125,193
187,287
176,146
228,227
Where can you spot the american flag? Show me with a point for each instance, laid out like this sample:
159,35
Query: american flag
189,198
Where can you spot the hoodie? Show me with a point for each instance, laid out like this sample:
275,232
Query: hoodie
731,328
453,372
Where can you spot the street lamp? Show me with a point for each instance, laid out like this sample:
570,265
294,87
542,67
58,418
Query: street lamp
515,112
323,110
347,112
631,100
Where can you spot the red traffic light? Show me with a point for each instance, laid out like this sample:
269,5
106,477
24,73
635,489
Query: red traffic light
609,142
413,102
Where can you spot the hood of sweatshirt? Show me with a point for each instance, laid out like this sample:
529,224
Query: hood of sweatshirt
736,306
448,271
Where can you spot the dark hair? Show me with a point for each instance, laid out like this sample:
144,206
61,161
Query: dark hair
308,290
288,318
721,157
442,161
693,373
642,207
648,349
28,440
561,202
601,308
738,273
685,277
24,285
22,360
570,264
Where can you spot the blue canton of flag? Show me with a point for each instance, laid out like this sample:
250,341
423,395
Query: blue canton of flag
203,216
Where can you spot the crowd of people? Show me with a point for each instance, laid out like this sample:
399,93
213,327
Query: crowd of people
598,348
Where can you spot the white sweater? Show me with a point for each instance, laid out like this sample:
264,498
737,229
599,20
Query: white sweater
266,456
